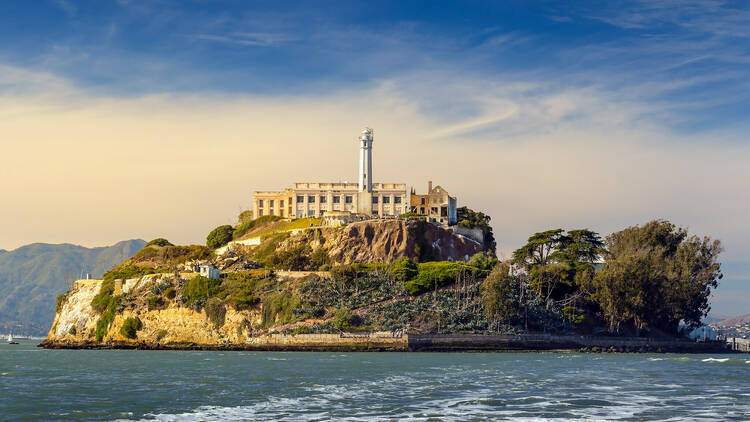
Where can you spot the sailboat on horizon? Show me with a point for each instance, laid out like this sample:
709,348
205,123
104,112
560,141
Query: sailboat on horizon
10,339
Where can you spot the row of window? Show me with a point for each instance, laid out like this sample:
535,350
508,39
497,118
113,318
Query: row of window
347,198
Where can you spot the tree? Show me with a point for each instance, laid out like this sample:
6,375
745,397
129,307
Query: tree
500,294
656,275
219,236
557,263
469,218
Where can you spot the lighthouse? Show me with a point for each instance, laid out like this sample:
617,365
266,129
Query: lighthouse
365,160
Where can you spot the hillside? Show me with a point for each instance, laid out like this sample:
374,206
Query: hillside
32,276
734,321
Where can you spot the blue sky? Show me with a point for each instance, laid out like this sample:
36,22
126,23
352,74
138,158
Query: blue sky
688,57
544,114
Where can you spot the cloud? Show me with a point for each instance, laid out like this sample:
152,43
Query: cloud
248,38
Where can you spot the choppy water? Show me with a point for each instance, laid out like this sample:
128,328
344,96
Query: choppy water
113,384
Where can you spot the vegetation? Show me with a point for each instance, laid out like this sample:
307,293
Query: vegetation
61,301
219,236
404,269
433,275
248,225
170,293
656,275
278,308
408,215
216,312
155,302
130,326
344,320
126,271
198,289
159,242
106,318
470,219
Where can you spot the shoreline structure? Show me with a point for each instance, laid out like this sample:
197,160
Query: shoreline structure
397,342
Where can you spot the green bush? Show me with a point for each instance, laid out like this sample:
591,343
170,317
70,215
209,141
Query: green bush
344,320
301,330
319,259
408,215
436,274
243,300
161,334
170,293
403,269
296,258
61,301
130,326
106,318
216,312
219,237
126,272
484,262
73,330
155,302
102,299
198,289
278,307
343,272
268,246
159,242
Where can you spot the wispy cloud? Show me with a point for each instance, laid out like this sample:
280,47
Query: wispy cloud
249,38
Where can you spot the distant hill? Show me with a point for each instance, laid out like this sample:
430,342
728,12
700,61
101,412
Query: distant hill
729,322
32,276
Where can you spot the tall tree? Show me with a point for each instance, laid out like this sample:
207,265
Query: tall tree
655,276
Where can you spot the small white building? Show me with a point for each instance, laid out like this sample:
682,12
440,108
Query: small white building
209,271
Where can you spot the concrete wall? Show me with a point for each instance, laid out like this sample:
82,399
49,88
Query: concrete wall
739,344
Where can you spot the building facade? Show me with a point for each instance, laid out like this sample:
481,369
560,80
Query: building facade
437,205
312,199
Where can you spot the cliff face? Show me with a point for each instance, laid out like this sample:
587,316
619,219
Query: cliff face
389,240
171,323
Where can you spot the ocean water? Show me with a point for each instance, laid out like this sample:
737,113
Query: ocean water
37,384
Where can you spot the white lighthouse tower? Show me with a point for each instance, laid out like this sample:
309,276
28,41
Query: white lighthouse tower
365,160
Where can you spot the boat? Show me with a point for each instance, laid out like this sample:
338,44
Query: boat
10,339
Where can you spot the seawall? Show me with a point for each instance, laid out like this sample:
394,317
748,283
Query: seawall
397,342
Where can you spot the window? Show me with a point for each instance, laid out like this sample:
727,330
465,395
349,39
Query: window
433,210
443,211
323,199
397,200
375,212
260,213
311,199
270,203
281,203
421,210
300,199
374,199
260,203
336,199
386,199
422,201
299,213
348,199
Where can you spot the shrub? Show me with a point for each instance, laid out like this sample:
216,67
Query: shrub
160,241
145,254
170,293
102,299
343,272
126,271
403,269
243,300
61,301
484,262
245,216
216,312
198,289
319,259
301,330
219,236
106,318
436,274
278,307
73,330
130,326
161,334
155,302
345,320
294,258
268,246
408,215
